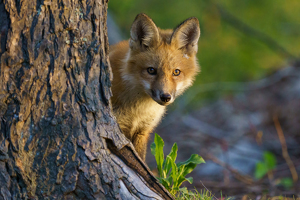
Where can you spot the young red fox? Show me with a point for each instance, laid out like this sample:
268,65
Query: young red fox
149,72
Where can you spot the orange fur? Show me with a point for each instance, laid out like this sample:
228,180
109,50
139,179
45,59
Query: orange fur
139,97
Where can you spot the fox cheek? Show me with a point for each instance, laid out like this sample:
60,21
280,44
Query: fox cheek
146,85
179,87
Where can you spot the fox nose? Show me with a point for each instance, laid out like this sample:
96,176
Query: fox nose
165,97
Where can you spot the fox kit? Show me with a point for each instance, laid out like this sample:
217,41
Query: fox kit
150,70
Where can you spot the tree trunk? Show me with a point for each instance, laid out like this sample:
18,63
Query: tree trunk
58,137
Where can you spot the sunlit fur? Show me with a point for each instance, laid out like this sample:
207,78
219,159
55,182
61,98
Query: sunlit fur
136,93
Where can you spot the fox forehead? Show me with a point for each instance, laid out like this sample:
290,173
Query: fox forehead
171,58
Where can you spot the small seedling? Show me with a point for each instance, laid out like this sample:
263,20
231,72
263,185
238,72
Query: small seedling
265,166
172,175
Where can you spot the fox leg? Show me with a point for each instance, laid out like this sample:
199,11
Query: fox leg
140,141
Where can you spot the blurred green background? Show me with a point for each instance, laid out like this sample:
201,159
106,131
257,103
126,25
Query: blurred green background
240,40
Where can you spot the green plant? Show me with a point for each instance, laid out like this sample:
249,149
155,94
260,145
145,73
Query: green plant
287,183
266,166
194,195
172,175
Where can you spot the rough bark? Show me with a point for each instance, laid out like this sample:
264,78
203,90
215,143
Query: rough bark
58,137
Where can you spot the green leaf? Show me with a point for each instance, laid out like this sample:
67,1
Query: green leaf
170,158
190,180
195,158
159,153
190,194
184,190
166,182
163,175
187,167
167,166
174,172
173,153
182,179
287,183
270,160
260,170
153,147
191,163
170,180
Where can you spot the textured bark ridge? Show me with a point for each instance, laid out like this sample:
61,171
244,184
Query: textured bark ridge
58,138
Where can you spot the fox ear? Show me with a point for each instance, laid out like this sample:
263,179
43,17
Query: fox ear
144,32
186,35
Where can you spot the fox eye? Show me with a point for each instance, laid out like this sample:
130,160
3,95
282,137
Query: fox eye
151,70
176,72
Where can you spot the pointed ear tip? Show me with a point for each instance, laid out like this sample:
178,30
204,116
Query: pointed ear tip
193,19
141,15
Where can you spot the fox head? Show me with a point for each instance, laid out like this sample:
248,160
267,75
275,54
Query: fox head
162,62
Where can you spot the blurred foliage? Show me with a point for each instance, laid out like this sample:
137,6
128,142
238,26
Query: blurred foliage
265,166
227,51
287,183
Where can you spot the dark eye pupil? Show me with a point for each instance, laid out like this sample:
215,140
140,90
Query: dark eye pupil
151,70
176,72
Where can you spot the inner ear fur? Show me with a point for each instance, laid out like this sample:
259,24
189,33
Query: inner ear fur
144,32
186,35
